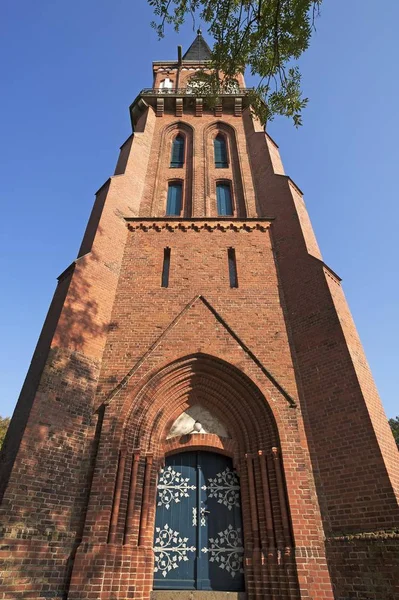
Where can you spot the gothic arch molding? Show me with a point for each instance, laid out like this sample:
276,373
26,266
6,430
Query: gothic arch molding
254,446
232,173
228,392
127,490
165,173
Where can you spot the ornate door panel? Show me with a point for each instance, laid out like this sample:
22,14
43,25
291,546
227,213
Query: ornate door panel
198,532
175,536
220,529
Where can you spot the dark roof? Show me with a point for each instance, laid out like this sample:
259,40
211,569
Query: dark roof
199,50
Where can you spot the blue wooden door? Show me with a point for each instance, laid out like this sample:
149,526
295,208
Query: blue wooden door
198,530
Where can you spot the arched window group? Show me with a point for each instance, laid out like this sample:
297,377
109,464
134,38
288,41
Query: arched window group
223,189
224,201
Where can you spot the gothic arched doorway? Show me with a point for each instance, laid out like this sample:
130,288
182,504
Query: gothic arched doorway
198,538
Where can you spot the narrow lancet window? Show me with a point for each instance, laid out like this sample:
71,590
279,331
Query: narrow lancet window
173,206
220,149
223,197
165,268
231,255
177,158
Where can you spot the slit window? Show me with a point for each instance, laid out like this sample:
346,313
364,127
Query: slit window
165,268
231,256
174,203
220,150
177,158
223,197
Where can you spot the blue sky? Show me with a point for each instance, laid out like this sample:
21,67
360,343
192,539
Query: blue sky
69,71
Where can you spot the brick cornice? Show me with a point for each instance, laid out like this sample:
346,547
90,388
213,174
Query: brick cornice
196,224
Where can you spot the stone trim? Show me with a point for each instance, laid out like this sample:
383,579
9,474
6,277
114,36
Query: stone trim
201,441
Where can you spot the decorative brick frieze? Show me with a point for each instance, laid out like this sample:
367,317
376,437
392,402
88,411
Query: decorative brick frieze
197,225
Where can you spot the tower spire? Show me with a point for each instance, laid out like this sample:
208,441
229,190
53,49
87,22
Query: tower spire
199,50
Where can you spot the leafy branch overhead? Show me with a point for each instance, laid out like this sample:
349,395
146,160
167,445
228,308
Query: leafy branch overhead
267,36
394,424
4,423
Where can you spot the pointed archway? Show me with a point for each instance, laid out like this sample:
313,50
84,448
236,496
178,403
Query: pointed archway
252,444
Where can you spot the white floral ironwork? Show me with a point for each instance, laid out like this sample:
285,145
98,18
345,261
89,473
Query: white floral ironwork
170,549
195,516
225,488
227,550
172,486
203,511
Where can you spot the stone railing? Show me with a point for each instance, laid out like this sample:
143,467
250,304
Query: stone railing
192,92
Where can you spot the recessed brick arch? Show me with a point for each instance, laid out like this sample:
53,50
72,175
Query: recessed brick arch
221,387
232,173
238,403
165,173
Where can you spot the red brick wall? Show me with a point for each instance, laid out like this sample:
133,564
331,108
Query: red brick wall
343,437
47,490
365,568
354,458
173,322
27,396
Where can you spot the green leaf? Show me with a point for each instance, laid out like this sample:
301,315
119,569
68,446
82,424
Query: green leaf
265,36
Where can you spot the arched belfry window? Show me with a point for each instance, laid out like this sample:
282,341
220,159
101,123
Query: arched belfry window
177,158
174,202
223,197
220,149
166,84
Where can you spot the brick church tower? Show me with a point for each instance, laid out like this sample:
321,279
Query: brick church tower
199,414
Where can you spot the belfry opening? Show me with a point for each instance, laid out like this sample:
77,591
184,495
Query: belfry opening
199,420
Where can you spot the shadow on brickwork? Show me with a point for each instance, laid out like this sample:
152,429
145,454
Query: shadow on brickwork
48,457
364,566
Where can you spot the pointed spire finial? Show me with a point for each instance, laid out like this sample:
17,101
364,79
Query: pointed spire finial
199,50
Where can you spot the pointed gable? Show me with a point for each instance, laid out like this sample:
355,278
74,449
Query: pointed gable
199,50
